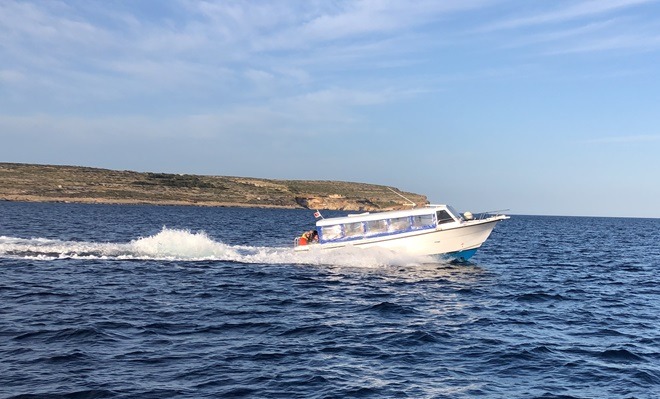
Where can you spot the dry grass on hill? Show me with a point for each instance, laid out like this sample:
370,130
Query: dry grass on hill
50,183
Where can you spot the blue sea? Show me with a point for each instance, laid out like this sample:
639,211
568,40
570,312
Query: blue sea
112,301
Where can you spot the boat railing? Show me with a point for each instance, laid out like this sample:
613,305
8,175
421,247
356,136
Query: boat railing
488,214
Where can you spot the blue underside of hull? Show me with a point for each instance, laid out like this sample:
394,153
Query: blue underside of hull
461,256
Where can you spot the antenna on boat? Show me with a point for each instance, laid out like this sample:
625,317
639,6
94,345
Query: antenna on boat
400,195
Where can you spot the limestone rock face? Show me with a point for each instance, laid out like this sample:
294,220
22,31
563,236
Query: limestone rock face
349,204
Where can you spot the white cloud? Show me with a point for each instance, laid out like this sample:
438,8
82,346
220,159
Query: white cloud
51,24
328,112
575,10
357,20
11,76
563,34
642,138
573,27
609,42
88,52
258,76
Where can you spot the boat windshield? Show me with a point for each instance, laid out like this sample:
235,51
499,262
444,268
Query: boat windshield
455,213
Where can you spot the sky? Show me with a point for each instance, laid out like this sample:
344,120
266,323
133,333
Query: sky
538,107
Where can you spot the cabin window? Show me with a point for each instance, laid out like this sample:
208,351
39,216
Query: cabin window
353,229
421,221
329,233
444,217
399,224
376,227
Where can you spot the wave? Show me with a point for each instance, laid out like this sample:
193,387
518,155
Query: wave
184,245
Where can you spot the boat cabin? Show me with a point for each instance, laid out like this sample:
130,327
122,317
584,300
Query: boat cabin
372,225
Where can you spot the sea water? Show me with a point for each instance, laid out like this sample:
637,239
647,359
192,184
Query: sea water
111,301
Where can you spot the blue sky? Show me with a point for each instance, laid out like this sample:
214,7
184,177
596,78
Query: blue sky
540,107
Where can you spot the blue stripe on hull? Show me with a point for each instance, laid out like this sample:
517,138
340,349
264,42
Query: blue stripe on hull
461,256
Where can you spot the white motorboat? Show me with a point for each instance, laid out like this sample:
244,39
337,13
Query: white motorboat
430,230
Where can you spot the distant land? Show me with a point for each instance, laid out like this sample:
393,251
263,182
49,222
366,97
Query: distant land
77,184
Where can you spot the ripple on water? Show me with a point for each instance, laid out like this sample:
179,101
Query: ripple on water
551,307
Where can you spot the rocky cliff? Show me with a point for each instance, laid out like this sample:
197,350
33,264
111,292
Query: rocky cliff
50,183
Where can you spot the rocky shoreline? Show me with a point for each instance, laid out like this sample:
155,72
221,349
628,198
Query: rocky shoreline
76,184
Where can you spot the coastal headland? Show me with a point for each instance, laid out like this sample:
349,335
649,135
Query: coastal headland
77,184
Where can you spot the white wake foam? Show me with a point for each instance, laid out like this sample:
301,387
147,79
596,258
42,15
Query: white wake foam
184,245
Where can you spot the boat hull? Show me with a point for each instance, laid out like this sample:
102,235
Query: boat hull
459,242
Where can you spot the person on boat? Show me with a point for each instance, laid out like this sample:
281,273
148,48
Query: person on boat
308,237
305,238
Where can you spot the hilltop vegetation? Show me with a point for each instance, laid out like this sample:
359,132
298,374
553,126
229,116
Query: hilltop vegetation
51,183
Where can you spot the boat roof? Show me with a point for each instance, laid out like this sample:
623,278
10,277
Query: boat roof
366,216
